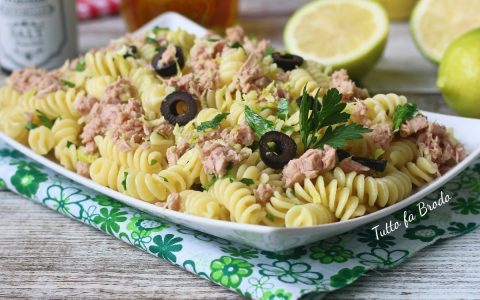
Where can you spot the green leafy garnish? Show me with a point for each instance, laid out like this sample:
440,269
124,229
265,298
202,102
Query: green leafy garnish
30,126
67,83
236,45
257,122
269,51
213,123
164,178
44,120
124,181
70,144
209,184
282,107
213,39
151,40
80,67
247,181
403,113
337,137
152,162
270,217
158,29
315,116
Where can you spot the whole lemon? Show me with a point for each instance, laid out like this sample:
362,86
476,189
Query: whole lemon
459,75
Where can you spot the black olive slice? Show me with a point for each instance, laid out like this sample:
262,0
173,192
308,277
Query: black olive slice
169,69
277,149
342,154
197,187
287,61
373,164
169,108
131,52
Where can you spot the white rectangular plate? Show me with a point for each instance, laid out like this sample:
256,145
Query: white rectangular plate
263,237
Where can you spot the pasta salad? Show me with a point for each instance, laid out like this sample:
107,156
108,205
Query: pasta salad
227,128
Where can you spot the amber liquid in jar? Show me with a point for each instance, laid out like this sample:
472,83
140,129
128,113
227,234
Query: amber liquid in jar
213,14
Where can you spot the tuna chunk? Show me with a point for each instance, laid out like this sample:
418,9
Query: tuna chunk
168,56
436,143
121,120
413,126
381,136
347,87
263,193
235,34
251,76
360,114
216,156
119,91
311,164
84,104
257,49
30,78
348,165
83,169
175,152
244,135
173,202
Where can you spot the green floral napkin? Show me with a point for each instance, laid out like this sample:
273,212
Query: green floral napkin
308,271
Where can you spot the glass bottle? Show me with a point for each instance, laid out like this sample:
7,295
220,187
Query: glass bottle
41,33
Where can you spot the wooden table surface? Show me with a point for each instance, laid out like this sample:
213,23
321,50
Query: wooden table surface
43,254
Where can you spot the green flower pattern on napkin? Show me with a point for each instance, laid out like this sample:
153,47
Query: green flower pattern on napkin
307,272
229,271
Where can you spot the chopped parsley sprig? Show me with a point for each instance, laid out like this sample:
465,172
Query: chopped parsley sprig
403,113
330,115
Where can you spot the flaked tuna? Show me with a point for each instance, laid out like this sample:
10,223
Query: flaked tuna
216,156
263,193
413,126
311,164
40,79
347,87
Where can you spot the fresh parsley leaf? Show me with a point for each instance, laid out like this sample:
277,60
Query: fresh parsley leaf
269,51
44,120
270,217
30,126
158,29
152,162
209,184
124,181
81,65
151,40
213,123
315,116
229,175
230,166
282,107
236,45
257,122
70,144
164,178
247,181
337,137
212,39
67,83
403,113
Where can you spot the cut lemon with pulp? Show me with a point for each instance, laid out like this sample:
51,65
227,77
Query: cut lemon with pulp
435,24
348,34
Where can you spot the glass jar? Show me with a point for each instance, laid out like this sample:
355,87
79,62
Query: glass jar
41,33
213,14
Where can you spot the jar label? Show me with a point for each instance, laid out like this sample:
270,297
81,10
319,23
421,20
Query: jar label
35,33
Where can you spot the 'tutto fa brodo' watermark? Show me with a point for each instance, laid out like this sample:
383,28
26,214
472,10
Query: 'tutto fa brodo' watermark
423,209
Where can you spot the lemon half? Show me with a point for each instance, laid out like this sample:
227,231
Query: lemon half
348,34
435,24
